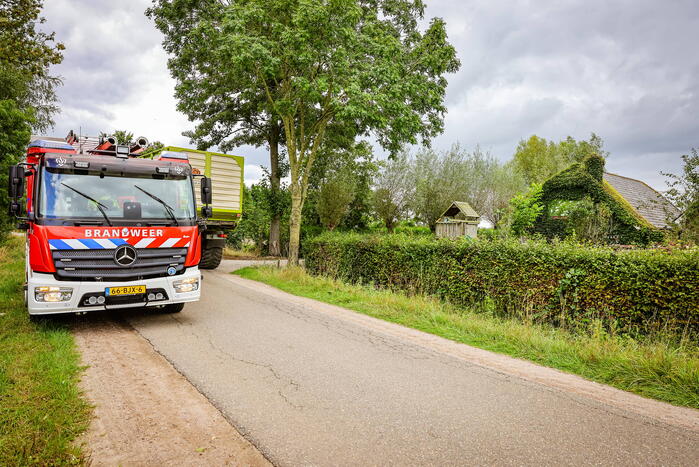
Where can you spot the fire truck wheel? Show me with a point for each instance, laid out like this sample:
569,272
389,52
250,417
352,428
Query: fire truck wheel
172,308
210,258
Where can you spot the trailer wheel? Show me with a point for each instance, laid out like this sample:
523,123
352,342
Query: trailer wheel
172,308
211,258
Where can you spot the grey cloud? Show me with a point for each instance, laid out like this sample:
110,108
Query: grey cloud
105,40
626,70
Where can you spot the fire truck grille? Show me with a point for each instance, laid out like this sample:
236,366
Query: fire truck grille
97,265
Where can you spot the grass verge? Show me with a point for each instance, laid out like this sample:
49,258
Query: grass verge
662,368
41,409
232,253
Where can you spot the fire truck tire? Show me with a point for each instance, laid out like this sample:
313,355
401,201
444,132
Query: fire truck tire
211,258
172,308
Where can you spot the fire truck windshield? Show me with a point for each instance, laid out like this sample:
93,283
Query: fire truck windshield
66,195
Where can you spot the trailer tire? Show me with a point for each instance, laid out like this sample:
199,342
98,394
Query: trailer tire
172,308
211,258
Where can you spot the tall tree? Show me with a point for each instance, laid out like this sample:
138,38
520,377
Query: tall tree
229,108
334,198
506,183
576,151
26,55
27,89
489,185
364,169
391,194
343,155
126,137
15,130
122,136
537,159
437,181
361,63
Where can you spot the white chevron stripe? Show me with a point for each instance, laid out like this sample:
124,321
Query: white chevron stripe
169,242
144,242
105,243
187,245
52,247
75,244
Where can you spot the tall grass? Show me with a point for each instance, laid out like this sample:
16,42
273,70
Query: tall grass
41,409
660,366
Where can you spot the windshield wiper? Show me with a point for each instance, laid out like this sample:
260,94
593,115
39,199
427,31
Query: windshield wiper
100,206
168,208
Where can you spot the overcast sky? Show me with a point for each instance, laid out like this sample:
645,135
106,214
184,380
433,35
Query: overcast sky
626,70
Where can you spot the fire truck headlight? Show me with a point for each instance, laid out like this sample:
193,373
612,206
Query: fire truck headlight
186,285
53,294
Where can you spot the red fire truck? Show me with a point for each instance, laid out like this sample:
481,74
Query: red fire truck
108,229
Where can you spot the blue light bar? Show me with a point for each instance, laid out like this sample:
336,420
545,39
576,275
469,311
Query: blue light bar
42,143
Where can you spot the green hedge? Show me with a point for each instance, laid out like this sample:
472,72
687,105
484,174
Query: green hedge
635,290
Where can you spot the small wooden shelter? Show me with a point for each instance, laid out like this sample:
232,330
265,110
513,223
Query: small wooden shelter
460,220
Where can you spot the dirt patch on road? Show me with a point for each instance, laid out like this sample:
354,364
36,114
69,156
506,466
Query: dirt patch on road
146,413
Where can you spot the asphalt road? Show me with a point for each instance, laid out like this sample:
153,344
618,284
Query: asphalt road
313,384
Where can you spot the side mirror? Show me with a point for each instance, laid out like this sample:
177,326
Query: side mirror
15,209
15,185
15,189
206,190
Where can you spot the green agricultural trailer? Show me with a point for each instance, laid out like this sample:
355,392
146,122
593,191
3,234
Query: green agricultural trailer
226,174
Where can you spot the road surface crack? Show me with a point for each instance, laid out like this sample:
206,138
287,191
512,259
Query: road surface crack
283,380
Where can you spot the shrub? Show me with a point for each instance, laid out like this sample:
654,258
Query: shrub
631,291
489,234
407,229
526,208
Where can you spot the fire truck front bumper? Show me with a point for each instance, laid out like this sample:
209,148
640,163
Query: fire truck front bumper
46,295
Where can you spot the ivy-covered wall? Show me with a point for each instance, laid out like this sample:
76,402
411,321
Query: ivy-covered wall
585,180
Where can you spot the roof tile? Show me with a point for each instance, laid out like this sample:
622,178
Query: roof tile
650,204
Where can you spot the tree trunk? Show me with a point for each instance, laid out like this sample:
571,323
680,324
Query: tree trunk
275,248
301,160
295,225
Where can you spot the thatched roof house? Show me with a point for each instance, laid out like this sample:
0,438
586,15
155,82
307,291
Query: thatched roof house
638,212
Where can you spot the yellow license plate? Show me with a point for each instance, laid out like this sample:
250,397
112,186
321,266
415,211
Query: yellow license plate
126,290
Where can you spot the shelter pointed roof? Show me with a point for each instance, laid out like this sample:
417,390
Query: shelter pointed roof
461,207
